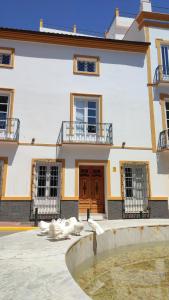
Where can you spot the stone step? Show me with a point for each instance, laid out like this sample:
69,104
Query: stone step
94,216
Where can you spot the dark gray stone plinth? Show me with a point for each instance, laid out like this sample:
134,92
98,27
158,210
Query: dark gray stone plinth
159,209
69,209
115,209
12,210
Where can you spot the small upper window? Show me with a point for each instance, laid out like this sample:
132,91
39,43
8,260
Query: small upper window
6,57
86,65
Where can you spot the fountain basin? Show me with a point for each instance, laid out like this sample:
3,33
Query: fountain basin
85,251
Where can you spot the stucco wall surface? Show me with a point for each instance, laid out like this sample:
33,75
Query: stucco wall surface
43,80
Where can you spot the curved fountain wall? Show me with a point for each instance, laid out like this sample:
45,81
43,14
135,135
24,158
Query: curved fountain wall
90,245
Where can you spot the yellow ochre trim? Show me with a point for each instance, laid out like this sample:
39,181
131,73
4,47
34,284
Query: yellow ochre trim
106,163
146,163
17,228
163,110
16,198
152,19
95,59
117,13
62,161
100,101
150,92
12,54
4,175
41,23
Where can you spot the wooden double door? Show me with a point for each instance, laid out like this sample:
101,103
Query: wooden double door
91,189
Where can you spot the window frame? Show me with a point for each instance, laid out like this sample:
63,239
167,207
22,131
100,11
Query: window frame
10,94
87,97
95,59
10,51
122,165
4,165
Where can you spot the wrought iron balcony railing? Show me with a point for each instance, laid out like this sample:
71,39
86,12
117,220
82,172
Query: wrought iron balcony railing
163,143
81,132
161,74
9,129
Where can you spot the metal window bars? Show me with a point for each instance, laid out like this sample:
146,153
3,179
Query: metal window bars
163,143
9,129
135,191
46,187
161,74
83,132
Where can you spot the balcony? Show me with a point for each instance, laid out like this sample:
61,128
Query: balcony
85,133
161,75
163,143
9,130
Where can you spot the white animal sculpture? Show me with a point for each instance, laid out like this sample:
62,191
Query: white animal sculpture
95,226
61,228
78,227
55,229
44,227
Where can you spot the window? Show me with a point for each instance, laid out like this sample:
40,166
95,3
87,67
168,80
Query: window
4,110
6,57
86,65
86,114
167,115
165,61
47,182
135,183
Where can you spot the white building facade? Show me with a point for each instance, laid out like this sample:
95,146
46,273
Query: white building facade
80,122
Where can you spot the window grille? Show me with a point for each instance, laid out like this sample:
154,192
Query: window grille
86,66
5,58
135,188
46,187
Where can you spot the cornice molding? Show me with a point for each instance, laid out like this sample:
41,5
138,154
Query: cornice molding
68,40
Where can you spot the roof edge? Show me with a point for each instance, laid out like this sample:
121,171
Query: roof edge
68,40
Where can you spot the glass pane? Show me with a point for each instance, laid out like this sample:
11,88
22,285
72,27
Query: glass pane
91,67
167,123
3,116
53,192
81,66
3,107
79,115
79,103
91,129
128,172
41,192
6,59
129,193
167,105
91,120
128,182
92,104
3,99
168,115
92,112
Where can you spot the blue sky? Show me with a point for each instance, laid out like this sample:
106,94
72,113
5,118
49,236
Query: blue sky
89,15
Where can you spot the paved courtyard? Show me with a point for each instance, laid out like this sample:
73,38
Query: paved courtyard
33,267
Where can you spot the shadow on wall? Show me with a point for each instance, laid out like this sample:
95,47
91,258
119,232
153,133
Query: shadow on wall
9,152
78,152
59,52
158,91
163,162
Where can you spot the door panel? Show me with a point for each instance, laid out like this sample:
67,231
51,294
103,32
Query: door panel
91,188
